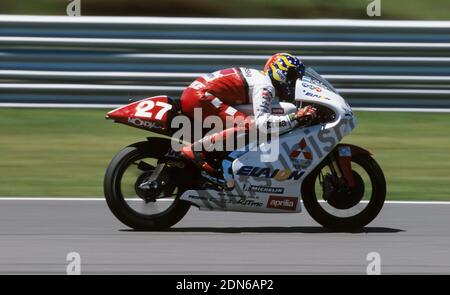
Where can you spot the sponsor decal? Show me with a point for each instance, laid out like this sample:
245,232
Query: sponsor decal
264,189
279,124
245,202
197,85
301,149
264,106
300,164
301,155
267,95
266,103
345,151
141,123
218,74
283,203
312,87
234,200
264,172
278,111
316,95
247,72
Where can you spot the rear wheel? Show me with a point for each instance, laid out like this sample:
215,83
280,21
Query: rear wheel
142,209
334,205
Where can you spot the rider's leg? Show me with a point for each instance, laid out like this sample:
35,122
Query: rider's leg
212,105
196,151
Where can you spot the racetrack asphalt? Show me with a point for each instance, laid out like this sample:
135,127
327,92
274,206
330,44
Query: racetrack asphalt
37,235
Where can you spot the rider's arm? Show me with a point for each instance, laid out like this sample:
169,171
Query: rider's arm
262,109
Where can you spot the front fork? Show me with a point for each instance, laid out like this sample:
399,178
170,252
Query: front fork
341,162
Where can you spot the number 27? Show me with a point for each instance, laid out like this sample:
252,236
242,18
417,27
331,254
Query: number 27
148,105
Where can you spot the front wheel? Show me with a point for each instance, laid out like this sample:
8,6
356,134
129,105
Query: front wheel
150,209
331,203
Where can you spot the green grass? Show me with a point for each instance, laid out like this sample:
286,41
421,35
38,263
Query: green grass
65,152
413,149
58,152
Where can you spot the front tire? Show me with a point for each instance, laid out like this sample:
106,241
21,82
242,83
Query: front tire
155,148
347,223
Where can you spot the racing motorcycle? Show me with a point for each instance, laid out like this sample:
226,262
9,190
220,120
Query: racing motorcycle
149,186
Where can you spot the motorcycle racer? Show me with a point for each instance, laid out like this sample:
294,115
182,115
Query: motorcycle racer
216,94
149,185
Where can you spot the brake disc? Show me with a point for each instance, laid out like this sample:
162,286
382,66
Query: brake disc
343,197
150,194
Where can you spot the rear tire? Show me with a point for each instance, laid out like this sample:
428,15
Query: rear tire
355,222
154,148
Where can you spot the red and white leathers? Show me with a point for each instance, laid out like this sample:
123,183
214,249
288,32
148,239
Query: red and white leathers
216,93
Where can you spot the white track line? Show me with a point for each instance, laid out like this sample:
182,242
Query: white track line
87,199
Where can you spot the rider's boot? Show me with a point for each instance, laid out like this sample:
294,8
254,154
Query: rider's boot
197,157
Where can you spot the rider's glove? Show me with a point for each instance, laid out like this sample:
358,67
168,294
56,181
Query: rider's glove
305,115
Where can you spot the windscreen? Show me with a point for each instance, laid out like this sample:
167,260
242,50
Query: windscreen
313,77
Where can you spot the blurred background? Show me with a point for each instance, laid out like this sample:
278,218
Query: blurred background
353,9
60,75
